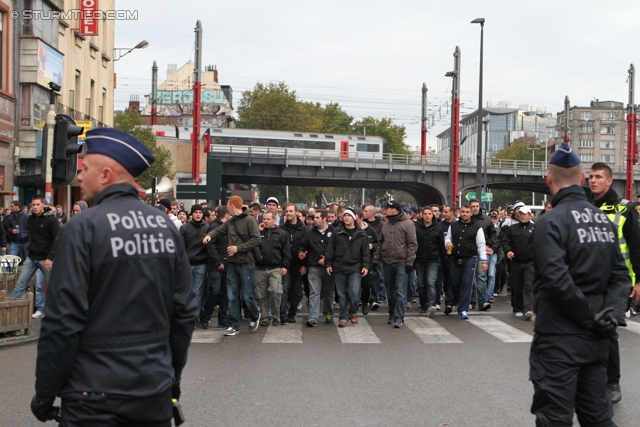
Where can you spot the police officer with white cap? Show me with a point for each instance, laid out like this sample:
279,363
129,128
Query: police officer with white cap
120,309
580,297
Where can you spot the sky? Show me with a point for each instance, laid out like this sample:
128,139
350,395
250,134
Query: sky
372,57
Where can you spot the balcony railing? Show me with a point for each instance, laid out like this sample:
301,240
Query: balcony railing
78,115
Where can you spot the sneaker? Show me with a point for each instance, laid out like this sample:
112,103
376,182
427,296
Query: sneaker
311,323
519,314
329,318
253,325
390,320
204,324
264,322
336,306
423,311
432,311
414,301
491,300
464,315
37,315
291,320
283,320
627,314
438,307
397,324
614,392
375,306
447,310
230,332
354,319
496,294
300,306
486,306
528,315
275,322
408,306
221,327
365,309
343,324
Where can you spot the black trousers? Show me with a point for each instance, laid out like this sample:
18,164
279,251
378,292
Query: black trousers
291,293
99,410
569,375
522,279
613,361
365,286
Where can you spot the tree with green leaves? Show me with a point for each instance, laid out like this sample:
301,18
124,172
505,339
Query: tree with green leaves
392,133
131,123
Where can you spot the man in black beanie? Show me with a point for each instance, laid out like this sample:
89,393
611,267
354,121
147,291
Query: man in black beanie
193,231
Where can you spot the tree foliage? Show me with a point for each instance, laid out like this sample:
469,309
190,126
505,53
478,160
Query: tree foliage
519,150
392,133
131,123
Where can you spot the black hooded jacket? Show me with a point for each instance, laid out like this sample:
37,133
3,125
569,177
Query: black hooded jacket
192,233
430,243
217,253
296,233
348,255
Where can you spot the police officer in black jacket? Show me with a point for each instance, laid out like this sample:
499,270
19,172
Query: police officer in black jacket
580,295
120,311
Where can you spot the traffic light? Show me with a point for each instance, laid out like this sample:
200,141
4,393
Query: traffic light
225,194
64,159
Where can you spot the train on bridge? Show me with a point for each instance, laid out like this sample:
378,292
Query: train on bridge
268,141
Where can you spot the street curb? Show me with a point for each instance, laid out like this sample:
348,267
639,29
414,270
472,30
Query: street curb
13,342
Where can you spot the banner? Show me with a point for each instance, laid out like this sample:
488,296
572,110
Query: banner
88,18
50,65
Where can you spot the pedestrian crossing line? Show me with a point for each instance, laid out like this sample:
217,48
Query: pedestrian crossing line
500,330
429,331
291,333
201,336
632,327
357,334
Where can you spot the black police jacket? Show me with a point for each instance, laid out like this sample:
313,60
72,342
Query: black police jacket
315,243
296,233
347,255
192,234
430,243
517,239
579,267
120,305
274,247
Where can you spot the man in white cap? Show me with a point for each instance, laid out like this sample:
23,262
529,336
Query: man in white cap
517,247
121,310
272,206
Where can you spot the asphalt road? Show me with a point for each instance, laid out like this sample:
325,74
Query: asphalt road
436,372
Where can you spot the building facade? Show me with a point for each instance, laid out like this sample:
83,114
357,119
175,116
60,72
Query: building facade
504,125
51,50
7,101
598,133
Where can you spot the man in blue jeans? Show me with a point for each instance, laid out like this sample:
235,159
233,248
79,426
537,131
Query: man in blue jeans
396,252
430,250
465,242
192,233
491,246
347,259
243,236
43,230
492,259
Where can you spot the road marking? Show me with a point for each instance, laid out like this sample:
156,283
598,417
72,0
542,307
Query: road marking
206,336
500,330
429,331
357,334
289,334
633,327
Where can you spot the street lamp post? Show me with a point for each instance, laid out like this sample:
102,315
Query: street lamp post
480,114
533,163
486,147
364,127
117,51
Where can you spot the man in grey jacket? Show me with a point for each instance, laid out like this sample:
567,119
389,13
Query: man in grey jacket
397,245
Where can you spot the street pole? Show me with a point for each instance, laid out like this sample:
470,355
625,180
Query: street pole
51,124
455,125
154,93
480,114
364,127
197,86
566,120
533,162
632,146
423,145
486,146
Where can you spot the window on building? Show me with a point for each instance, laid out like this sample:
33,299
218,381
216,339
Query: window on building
586,115
607,144
608,115
586,157
72,99
586,143
607,130
586,129
608,158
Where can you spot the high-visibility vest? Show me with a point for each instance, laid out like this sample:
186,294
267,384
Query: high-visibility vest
615,215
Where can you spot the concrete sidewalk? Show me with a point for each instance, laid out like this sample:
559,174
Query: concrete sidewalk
7,340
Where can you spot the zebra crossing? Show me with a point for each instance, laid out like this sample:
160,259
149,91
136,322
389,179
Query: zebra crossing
427,330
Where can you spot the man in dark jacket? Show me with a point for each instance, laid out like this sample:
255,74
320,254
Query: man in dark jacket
312,249
396,251
242,235
192,233
623,215
17,228
217,276
43,230
347,260
430,250
370,214
368,297
292,281
517,247
580,297
446,218
276,260
491,247
121,308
